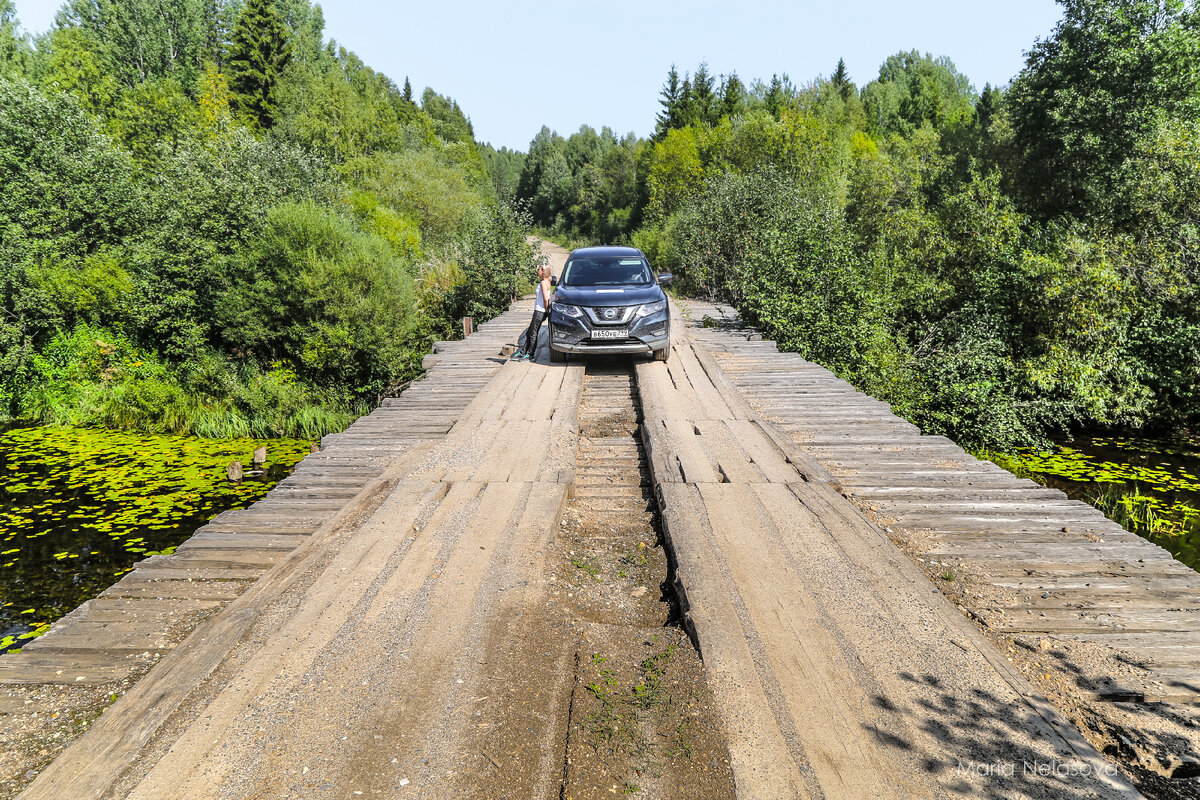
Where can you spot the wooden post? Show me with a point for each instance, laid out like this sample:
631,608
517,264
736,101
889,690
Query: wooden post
468,326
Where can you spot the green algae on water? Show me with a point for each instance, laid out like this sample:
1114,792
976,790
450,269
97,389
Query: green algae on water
80,506
1150,486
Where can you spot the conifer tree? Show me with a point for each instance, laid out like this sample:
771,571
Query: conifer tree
775,97
732,95
841,79
702,105
408,95
672,97
215,32
259,53
986,108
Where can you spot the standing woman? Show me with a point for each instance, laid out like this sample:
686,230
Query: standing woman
541,302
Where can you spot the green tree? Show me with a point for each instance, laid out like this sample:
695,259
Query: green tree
244,282
543,175
1093,91
258,55
733,95
677,172
154,119
448,118
74,63
143,39
331,299
915,89
306,26
671,97
987,108
776,97
504,167
68,192
841,80
702,108
14,45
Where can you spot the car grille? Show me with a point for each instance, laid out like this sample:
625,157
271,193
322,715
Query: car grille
610,315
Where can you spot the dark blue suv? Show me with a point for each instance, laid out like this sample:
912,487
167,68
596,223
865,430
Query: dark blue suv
608,300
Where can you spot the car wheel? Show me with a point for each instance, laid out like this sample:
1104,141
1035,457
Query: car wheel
557,356
662,355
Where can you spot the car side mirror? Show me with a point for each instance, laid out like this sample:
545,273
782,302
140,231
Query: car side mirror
553,281
664,279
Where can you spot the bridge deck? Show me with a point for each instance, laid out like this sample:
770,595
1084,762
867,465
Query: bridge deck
1034,561
838,668
400,587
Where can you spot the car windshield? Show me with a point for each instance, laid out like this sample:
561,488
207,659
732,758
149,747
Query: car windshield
606,271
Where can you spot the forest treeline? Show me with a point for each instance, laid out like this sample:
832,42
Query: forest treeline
214,220
1000,265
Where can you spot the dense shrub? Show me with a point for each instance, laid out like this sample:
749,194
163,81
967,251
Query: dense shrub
171,261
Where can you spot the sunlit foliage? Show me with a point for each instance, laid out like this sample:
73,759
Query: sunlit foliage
1000,265
244,212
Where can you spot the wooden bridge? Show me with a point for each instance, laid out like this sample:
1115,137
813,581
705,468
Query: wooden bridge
874,608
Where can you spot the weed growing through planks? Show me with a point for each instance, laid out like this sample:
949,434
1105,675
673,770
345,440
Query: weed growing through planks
588,567
637,558
681,740
602,689
608,724
647,693
947,575
617,721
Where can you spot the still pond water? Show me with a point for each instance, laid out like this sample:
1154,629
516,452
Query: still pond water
79,507
1151,486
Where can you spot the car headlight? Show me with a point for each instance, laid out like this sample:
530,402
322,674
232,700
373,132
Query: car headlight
652,308
568,309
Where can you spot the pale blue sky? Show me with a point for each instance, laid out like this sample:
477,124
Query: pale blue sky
514,66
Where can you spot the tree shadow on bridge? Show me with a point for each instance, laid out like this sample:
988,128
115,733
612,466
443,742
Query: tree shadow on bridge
983,745
1157,743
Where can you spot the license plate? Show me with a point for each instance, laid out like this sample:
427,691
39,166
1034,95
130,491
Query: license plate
610,333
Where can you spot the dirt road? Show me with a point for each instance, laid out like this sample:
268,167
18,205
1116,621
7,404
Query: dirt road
556,256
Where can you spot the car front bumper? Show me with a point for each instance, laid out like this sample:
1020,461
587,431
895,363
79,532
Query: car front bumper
574,335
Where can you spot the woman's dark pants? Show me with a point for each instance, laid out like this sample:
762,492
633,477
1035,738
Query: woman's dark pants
531,335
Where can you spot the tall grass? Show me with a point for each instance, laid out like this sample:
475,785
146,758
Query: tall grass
1144,514
93,378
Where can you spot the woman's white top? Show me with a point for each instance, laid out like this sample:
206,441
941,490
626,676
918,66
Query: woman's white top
539,302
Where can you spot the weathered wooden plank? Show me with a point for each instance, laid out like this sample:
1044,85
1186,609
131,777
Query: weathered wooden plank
265,525
199,590
129,608
1089,621
80,668
212,540
101,636
199,573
